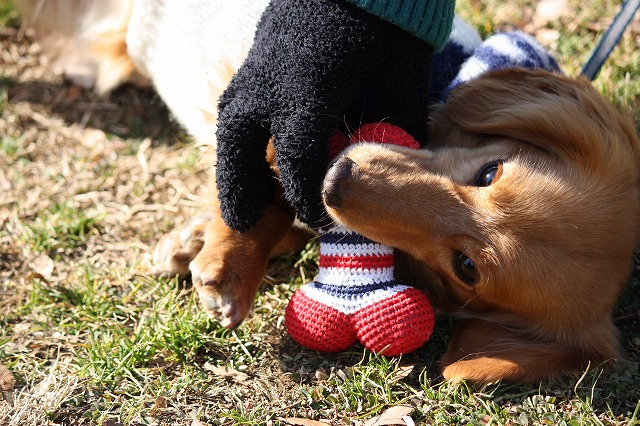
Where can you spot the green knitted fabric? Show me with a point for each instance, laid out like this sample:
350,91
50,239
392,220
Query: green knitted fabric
429,20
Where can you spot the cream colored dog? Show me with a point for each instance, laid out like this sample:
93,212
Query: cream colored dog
188,50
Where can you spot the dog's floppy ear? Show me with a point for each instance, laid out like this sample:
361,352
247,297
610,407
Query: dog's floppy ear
563,116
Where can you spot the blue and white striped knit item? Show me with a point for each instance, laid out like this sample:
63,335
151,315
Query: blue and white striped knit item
341,282
463,40
469,57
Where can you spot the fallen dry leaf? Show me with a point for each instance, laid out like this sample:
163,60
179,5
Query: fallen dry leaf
551,10
6,383
6,379
161,402
393,416
548,11
303,422
548,37
226,372
197,423
321,375
403,371
42,267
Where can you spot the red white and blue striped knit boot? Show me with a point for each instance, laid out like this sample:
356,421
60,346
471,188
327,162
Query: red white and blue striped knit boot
355,297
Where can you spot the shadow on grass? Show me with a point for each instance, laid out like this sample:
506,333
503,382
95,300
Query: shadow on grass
610,388
129,112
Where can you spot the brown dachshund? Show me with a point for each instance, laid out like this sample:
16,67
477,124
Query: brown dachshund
521,220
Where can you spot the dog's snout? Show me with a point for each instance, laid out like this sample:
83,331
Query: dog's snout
340,170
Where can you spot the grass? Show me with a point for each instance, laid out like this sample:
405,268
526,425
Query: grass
60,226
93,339
8,14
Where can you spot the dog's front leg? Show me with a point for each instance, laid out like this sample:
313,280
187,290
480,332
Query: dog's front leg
230,265
227,266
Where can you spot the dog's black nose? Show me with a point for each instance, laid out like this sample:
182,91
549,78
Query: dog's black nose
340,170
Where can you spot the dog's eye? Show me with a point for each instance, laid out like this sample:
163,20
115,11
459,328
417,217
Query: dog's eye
465,269
489,173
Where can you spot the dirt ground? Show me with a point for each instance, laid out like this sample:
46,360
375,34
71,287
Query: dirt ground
113,173
90,183
123,151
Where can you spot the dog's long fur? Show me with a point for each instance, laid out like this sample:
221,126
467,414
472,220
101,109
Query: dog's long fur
551,237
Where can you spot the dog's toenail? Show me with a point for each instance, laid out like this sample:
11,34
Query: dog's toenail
231,319
340,170
233,326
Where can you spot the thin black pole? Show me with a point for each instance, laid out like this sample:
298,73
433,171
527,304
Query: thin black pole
610,39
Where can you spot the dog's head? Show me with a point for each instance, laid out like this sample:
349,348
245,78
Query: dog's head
524,209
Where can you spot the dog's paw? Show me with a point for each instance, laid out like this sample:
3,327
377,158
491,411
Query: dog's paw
217,291
229,265
177,249
228,270
226,277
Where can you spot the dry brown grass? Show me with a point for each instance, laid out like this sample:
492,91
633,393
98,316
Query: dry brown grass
88,183
119,157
